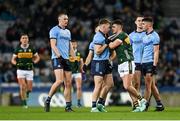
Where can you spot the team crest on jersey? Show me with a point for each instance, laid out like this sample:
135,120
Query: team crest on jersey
29,50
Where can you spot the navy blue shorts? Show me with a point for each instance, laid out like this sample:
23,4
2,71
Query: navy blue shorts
65,65
147,68
100,67
138,66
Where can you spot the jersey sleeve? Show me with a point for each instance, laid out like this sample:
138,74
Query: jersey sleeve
34,51
98,40
53,34
15,51
130,37
70,35
156,39
91,46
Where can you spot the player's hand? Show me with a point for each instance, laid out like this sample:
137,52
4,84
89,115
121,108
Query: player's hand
84,68
84,77
110,66
154,70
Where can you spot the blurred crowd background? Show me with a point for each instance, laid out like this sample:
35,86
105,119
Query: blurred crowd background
37,17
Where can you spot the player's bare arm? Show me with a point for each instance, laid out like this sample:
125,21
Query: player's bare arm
89,57
36,58
99,48
13,59
115,43
113,55
72,52
54,48
156,54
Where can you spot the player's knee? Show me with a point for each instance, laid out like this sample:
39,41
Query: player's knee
78,87
68,84
23,87
97,88
58,83
126,87
109,86
148,77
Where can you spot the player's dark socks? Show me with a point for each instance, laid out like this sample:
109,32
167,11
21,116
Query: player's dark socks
68,104
100,101
48,100
79,103
93,104
159,106
139,97
135,104
159,102
103,102
147,106
27,93
69,109
47,104
24,103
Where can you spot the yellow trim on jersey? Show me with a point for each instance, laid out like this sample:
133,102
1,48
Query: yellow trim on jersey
25,55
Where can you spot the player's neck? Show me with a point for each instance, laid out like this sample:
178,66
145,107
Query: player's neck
139,29
149,30
61,26
24,45
119,31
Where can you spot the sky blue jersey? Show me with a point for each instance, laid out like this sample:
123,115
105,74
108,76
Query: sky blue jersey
149,40
63,37
99,39
137,45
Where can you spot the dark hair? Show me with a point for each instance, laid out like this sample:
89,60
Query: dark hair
23,34
104,21
117,21
139,15
148,19
73,40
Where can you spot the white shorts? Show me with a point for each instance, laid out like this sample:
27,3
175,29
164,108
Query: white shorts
76,75
126,68
25,74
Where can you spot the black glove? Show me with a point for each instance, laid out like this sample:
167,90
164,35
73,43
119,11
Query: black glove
107,41
110,67
84,68
61,60
154,70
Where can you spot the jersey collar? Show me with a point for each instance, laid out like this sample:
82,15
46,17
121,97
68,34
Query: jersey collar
61,27
138,32
102,33
149,32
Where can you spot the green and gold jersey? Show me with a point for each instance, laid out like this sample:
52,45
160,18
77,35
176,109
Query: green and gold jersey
124,50
24,57
75,63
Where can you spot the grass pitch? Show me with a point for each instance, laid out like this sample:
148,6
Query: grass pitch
114,113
